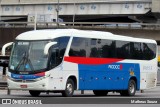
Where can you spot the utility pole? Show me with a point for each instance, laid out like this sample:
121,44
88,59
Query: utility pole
74,13
57,10
35,21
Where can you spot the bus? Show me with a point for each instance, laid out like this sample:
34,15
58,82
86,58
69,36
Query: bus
65,60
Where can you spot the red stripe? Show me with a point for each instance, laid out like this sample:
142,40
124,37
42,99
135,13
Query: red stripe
91,61
40,74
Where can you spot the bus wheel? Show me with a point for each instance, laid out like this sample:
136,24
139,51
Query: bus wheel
68,92
131,89
34,93
100,92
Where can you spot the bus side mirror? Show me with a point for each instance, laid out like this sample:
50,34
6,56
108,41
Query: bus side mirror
4,48
46,48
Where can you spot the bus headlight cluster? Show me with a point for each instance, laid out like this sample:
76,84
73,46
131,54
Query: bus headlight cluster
41,78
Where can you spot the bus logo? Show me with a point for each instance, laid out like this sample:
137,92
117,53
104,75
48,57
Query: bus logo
116,67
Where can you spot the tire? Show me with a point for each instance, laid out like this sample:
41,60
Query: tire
69,90
100,92
131,89
34,93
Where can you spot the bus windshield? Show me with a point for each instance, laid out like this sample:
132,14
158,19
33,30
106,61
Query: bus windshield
28,56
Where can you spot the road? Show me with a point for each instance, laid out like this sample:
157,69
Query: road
150,93
87,99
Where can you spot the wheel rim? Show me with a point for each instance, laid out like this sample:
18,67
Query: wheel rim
69,88
131,88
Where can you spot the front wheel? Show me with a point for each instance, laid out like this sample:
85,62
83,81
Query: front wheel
131,89
69,90
34,93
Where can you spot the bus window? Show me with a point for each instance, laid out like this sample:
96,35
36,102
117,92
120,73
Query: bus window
63,42
136,51
57,51
78,47
149,51
123,49
102,48
108,49
93,51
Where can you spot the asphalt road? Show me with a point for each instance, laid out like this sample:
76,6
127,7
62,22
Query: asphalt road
150,93
86,100
87,97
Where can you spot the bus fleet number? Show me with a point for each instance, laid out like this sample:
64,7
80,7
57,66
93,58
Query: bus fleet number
147,68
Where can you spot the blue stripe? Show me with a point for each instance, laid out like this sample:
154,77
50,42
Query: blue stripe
24,77
113,76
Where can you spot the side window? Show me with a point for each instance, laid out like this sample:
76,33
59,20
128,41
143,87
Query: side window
108,49
57,51
136,50
101,48
54,60
63,42
94,50
78,47
123,49
149,51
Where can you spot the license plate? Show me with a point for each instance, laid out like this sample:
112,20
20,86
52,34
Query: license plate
23,86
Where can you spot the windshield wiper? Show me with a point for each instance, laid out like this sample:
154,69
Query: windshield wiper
23,62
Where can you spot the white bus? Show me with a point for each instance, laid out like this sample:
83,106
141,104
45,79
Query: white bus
64,60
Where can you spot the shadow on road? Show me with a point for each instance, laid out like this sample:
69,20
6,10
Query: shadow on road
75,96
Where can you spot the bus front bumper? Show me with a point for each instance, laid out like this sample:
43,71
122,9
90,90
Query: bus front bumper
26,85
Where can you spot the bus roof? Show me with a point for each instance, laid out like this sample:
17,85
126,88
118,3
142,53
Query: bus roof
54,33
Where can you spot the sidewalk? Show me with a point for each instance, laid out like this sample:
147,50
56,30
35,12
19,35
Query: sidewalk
2,78
3,83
